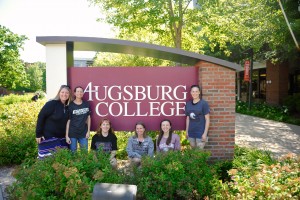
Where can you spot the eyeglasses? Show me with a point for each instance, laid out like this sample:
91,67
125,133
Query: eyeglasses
64,86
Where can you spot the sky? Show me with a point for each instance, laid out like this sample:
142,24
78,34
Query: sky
34,18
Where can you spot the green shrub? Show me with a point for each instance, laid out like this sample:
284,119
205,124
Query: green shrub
63,176
263,110
17,131
276,181
14,98
292,103
122,143
251,157
221,169
175,175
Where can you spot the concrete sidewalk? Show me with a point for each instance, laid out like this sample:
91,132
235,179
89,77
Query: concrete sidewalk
277,137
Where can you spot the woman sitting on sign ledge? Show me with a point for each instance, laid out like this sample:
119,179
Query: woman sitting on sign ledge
139,145
167,140
106,140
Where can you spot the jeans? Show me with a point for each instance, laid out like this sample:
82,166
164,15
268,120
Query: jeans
83,142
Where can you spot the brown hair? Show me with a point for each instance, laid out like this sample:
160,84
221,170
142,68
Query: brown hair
99,130
143,125
200,89
161,132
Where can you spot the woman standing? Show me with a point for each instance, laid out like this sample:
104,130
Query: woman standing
79,123
167,140
197,119
51,123
139,145
106,140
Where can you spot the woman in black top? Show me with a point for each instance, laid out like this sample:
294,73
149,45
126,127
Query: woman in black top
106,140
51,123
79,123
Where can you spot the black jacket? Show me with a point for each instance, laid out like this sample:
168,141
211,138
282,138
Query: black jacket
52,120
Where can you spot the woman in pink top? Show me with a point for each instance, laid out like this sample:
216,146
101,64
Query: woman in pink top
167,140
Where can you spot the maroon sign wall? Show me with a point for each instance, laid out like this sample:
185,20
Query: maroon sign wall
126,95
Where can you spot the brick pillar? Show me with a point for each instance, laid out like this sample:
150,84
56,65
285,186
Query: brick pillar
277,82
218,89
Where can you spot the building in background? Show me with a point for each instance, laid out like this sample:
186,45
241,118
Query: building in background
83,62
271,83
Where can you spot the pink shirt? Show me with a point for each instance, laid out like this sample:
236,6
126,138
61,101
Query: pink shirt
174,144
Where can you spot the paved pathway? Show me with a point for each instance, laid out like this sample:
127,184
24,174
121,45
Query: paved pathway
279,138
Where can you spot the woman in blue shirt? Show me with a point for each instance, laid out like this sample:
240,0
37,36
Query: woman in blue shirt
197,119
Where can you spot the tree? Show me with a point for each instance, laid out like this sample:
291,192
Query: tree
122,60
164,20
116,59
257,24
35,76
12,71
219,28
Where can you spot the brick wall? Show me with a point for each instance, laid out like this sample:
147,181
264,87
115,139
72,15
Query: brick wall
277,89
218,89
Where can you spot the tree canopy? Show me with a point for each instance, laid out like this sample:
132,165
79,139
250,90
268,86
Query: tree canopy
12,71
257,24
215,27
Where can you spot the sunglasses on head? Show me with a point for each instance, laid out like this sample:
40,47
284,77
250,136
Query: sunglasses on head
65,86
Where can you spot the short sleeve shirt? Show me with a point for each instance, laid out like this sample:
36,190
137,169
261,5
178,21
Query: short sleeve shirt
78,116
106,144
196,113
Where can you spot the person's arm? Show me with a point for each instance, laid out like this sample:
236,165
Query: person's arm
187,127
130,151
151,148
207,121
67,132
88,121
45,112
177,145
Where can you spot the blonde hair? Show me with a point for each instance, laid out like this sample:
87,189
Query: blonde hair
57,97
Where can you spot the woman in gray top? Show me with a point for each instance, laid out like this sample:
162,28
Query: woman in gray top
167,140
139,145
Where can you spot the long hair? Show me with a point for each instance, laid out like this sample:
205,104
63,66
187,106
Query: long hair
200,89
99,130
57,97
142,124
161,132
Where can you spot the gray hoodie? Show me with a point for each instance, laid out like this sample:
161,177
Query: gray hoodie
136,149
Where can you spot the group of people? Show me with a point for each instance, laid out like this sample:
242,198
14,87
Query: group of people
64,122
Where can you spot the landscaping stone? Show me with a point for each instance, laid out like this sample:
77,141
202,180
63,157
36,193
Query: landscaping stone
6,179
